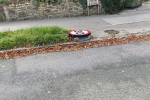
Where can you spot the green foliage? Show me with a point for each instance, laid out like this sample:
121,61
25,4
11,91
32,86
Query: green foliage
50,1
112,6
34,36
83,3
75,0
57,1
4,1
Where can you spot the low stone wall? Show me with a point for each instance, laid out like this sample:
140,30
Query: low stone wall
2,15
67,8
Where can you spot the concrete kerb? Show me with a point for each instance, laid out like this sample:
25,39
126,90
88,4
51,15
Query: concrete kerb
73,43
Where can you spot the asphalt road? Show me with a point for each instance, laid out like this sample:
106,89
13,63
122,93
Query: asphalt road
102,73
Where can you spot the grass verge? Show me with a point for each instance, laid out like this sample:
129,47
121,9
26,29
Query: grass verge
34,36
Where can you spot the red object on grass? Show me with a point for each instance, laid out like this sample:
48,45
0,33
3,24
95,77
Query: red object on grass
79,32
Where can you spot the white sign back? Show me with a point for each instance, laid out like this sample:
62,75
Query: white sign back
92,2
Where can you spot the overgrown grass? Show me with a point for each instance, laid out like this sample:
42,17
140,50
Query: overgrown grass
34,36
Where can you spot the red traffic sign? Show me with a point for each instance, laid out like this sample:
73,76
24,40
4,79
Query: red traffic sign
79,32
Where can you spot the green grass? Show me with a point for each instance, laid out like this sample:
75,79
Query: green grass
35,36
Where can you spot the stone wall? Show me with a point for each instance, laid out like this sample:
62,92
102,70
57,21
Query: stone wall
67,8
2,15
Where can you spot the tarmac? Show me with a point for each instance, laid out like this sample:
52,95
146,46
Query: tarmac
103,73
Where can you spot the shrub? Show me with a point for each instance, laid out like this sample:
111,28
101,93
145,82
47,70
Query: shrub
83,3
4,1
112,6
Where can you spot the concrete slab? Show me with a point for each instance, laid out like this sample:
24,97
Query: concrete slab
127,19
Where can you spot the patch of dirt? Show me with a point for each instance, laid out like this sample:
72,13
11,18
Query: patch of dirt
111,32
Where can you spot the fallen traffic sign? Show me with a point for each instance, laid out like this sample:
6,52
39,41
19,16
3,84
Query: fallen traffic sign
80,35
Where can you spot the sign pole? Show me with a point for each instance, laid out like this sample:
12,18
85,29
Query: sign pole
88,11
92,2
98,7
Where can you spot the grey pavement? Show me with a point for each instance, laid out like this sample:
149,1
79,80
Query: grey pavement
104,73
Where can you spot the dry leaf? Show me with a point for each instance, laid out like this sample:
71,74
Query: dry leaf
48,92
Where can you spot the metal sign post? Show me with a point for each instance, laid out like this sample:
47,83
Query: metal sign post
92,2
98,7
